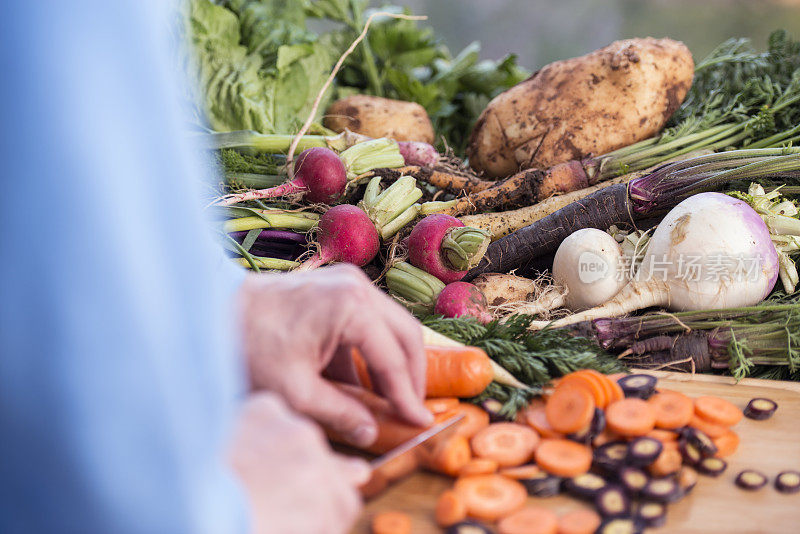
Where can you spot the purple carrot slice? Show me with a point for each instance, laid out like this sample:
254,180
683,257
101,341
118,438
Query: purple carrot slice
760,408
751,480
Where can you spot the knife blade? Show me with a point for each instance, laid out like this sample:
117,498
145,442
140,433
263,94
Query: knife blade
431,436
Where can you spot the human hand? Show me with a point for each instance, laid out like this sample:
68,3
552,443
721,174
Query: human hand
299,325
294,482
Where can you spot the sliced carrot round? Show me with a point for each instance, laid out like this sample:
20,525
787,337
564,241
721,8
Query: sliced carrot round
712,430
672,409
448,456
717,410
475,419
529,520
520,472
630,417
583,521
727,443
391,523
450,509
587,381
536,417
569,409
441,404
663,436
667,463
616,390
509,444
605,384
563,457
478,466
490,497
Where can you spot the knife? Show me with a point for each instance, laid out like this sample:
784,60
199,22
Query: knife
428,438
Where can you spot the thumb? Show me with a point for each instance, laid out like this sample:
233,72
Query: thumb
342,414
355,470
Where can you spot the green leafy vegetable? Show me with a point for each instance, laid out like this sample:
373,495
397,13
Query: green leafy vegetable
253,63
256,66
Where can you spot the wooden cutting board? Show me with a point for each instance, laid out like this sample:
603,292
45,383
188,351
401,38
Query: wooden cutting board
715,505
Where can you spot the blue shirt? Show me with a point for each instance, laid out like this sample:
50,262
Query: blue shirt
119,373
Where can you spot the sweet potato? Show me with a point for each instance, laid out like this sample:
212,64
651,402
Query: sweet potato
374,116
610,98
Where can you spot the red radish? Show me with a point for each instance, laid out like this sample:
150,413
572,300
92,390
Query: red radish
318,172
345,235
418,153
460,299
437,246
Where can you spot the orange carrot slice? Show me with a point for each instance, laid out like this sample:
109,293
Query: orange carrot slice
448,456
450,509
569,409
712,430
717,410
616,390
536,417
509,444
605,384
668,462
587,381
663,435
630,417
672,409
529,520
441,404
391,522
582,521
520,472
727,443
490,497
563,457
475,419
478,466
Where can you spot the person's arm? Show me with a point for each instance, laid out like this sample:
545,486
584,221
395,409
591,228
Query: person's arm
119,375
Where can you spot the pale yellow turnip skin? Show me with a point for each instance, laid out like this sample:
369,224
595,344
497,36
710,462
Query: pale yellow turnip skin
375,117
589,105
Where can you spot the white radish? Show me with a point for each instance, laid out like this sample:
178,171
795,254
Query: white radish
591,265
710,251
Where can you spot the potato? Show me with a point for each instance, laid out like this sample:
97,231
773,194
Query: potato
374,116
589,105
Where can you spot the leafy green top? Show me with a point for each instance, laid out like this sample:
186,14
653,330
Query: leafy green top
257,66
736,83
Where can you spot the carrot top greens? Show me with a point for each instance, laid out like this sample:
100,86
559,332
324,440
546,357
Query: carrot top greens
534,358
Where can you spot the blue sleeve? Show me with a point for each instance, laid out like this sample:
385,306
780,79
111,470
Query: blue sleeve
119,373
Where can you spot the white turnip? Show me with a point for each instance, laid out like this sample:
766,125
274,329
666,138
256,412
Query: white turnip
590,264
710,251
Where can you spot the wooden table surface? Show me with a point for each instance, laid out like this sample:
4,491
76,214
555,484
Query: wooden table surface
715,505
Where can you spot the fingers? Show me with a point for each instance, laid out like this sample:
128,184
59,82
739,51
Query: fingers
355,471
389,369
408,331
336,411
